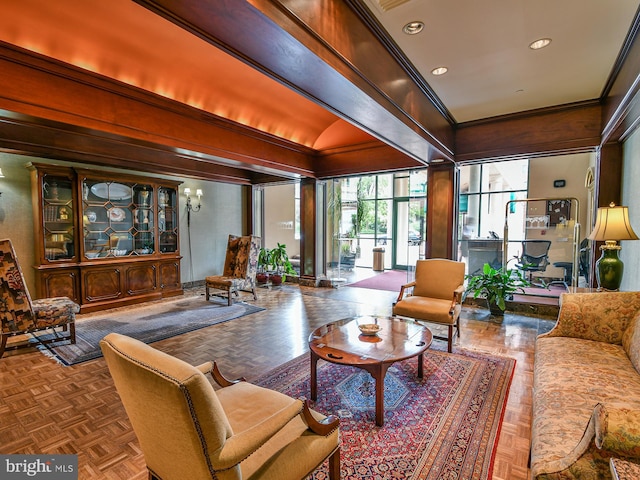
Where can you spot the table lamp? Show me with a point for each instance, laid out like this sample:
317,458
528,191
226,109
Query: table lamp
612,225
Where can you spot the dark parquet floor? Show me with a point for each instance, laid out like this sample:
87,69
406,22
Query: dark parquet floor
48,408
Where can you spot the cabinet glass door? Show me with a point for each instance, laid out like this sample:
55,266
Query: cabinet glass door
58,214
118,219
167,220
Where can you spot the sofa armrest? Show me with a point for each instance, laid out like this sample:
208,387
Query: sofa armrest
602,317
617,430
610,432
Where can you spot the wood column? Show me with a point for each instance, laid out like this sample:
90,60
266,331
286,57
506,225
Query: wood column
248,227
608,189
440,210
609,175
312,228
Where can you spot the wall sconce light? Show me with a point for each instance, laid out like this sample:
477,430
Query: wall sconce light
1,176
612,224
190,207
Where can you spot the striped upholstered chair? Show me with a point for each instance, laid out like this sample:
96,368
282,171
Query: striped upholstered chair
20,315
240,268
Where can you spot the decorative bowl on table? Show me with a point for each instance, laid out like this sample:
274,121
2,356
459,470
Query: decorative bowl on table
369,328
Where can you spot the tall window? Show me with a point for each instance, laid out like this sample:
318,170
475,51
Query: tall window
364,212
484,192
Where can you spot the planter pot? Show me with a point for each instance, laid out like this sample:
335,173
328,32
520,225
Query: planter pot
495,309
262,277
275,279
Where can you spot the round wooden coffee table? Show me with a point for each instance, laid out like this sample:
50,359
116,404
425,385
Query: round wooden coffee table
342,342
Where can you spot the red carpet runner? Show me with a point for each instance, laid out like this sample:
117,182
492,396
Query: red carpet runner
390,280
445,425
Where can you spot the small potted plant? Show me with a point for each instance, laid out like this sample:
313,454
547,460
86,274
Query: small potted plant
347,257
496,286
263,266
280,260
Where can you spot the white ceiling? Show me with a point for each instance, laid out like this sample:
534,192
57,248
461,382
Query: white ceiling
485,46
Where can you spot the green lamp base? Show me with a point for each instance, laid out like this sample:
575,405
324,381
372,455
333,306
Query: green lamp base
609,269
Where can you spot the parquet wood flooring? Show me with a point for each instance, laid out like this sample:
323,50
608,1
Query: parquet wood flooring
48,408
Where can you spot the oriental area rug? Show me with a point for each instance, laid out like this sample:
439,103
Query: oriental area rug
149,323
443,426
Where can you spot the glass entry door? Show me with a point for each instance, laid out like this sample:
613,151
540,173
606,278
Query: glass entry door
409,228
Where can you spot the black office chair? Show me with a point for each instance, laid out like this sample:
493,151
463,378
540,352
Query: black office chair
534,257
584,260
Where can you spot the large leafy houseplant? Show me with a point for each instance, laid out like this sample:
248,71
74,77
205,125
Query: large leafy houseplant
263,266
496,285
280,260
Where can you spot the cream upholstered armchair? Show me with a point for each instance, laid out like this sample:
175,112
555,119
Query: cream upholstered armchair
20,315
434,296
240,268
188,430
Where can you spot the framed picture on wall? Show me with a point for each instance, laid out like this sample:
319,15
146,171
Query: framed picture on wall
559,211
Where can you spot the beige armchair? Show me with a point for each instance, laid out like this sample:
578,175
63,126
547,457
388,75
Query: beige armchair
188,430
22,316
240,268
434,296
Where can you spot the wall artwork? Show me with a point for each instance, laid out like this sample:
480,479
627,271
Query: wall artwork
559,211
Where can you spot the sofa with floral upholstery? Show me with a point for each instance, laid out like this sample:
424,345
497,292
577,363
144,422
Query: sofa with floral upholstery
586,388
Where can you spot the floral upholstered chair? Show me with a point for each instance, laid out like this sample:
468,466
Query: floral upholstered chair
240,268
20,315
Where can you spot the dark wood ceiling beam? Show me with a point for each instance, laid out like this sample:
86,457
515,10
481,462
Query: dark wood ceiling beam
569,128
373,158
47,139
320,54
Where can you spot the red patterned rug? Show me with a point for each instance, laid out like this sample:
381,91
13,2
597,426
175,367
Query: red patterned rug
443,426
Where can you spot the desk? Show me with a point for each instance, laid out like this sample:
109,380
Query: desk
484,250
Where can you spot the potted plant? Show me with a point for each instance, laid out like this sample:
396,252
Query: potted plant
279,259
263,266
496,286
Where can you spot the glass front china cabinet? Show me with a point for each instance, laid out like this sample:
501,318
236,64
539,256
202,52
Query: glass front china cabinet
103,239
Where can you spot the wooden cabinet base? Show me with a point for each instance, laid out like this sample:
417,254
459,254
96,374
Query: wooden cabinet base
100,285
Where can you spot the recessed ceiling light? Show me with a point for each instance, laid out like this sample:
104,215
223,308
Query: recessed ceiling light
413,28
439,71
538,44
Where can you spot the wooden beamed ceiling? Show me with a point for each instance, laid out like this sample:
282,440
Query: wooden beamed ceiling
325,51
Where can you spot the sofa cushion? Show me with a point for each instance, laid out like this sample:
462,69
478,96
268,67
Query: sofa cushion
631,342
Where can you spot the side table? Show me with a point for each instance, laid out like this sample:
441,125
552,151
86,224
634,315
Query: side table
623,469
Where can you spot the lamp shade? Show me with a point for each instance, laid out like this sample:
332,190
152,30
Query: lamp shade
612,223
